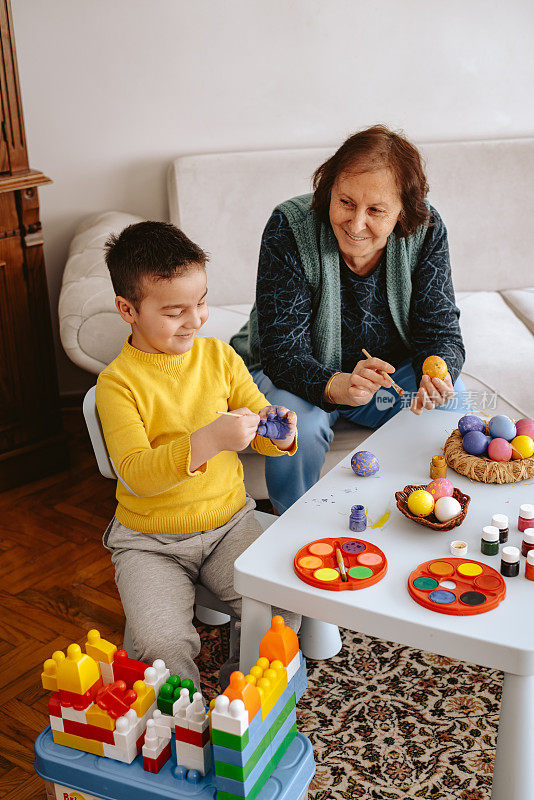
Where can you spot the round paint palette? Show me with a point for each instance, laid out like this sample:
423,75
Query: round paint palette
316,564
456,586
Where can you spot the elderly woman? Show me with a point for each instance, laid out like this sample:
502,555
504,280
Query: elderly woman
362,263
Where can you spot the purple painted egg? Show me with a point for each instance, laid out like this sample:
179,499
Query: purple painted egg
502,427
471,423
364,463
500,450
525,427
441,487
476,443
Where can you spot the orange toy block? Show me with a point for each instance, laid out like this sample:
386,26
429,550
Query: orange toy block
280,643
146,696
78,742
99,648
99,718
239,689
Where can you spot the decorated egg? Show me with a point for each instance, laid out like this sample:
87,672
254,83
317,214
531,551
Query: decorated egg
500,450
441,487
420,503
446,508
525,427
502,427
364,463
435,367
476,443
522,447
471,423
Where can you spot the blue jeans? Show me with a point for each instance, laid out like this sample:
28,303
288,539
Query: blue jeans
288,478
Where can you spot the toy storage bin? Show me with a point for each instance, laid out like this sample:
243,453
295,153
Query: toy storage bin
77,775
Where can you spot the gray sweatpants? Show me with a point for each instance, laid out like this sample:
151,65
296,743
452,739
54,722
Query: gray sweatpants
156,575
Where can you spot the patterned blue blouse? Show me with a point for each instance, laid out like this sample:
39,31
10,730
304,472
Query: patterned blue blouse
284,303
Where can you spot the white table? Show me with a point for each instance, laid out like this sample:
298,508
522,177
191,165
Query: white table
502,638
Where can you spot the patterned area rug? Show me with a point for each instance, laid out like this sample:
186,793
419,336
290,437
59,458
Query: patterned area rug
389,722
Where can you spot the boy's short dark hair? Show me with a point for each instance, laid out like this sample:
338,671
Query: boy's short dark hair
155,250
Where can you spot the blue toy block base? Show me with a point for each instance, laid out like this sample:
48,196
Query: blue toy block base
112,780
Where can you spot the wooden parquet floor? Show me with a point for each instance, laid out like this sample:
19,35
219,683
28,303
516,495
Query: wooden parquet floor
56,583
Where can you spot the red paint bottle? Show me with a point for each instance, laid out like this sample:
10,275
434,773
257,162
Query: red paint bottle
528,541
526,517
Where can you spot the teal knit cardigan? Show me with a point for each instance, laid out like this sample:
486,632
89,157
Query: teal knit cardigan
319,255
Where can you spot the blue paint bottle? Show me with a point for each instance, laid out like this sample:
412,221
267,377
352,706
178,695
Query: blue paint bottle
357,519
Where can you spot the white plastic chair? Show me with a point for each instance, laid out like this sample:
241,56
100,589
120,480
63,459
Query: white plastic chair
318,640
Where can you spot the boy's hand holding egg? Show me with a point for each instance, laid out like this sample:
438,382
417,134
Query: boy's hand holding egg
278,424
436,386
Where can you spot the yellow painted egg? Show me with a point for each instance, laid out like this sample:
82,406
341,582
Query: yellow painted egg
522,447
435,367
421,503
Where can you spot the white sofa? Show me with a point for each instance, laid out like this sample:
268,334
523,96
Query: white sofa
483,190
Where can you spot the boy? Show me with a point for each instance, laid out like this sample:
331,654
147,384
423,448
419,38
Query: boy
182,514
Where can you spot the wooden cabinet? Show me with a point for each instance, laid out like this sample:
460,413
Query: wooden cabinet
32,443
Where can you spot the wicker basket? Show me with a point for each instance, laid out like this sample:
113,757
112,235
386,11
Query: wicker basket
482,468
431,521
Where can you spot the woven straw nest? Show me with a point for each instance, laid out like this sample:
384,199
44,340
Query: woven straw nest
482,468
432,521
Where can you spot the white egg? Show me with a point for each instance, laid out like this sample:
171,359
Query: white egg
446,508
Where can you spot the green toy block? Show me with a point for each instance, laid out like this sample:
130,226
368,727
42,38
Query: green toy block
238,773
262,780
170,692
231,740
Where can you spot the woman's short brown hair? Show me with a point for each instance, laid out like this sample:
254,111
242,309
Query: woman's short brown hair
372,149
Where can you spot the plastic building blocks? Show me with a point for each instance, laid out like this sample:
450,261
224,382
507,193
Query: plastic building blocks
230,750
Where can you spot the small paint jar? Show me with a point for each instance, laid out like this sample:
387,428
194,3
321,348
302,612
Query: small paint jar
357,519
458,548
438,467
510,562
528,541
500,521
529,566
526,517
489,544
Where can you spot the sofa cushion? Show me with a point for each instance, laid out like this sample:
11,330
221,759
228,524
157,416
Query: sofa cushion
499,348
521,301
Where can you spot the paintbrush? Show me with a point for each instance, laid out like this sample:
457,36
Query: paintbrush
229,414
341,565
398,389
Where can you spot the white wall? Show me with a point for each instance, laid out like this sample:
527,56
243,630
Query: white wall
114,89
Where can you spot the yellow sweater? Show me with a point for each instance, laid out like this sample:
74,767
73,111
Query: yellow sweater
149,404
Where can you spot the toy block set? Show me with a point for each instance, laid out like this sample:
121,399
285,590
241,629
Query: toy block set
156,735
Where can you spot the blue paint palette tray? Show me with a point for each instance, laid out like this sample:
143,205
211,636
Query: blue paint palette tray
78,775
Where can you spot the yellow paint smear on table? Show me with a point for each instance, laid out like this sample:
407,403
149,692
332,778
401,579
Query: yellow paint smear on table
382,521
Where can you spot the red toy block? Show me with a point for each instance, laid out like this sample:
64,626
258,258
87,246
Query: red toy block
128,670
116,699
80,701
192,737
54,705
155,764
88,731
140,742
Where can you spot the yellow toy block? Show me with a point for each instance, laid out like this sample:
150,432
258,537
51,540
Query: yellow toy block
99,648
49,673
79,743
77,672
97,716
146,696
270,680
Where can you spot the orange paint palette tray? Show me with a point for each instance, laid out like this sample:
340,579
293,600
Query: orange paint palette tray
316,564
456,586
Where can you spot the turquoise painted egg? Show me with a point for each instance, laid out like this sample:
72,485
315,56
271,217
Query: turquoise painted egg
364,463
502,427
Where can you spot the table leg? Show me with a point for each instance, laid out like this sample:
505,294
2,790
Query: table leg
255,622
512,775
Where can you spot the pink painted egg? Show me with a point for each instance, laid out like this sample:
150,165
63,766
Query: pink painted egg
500,450
441,487
525,427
